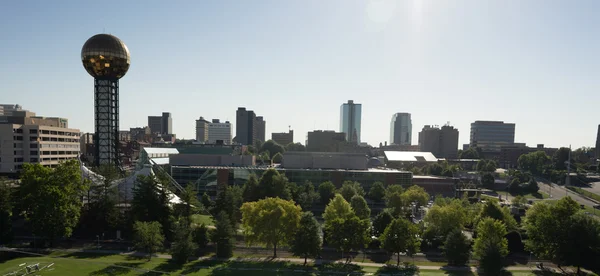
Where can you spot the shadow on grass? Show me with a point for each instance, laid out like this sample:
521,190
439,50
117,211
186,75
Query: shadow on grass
87,255
379,257
137,256
405,269
117,269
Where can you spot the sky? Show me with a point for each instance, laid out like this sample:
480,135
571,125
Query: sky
535,63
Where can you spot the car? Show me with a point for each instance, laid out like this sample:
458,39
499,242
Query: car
597,206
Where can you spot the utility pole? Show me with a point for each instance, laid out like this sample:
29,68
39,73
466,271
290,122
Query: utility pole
568,180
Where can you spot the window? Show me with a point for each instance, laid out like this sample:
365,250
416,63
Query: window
33,131
33,146
19,159
33,152
33,160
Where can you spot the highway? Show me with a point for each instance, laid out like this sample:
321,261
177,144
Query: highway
558,192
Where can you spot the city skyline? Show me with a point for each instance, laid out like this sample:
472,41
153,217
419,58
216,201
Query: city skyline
459,63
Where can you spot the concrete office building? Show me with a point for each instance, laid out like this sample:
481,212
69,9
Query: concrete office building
443,143
202,130
219,133
324,160
249,128
26,138
491,136
283,138
350,121
161,124
401,129
324,140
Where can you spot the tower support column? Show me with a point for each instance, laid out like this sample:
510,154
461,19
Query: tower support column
106,112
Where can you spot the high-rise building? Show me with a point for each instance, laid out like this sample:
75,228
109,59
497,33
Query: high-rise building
261,126
350,121
26,138
161,124
283,138
202,130
401,129
491,136
324,140
249,128
598,143
443,143
219,133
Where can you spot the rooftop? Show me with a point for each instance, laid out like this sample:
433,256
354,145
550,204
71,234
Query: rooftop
410,156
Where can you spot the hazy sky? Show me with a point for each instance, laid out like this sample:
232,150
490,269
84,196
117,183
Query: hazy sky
533,63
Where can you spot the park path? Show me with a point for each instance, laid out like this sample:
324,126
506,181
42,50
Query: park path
262,259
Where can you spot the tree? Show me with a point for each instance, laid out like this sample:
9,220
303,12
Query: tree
519,201
441,220
200,236
392,189
5,212
51,198
101,213
481,164
491,166
148,237
491,209
435,169
295,147
326,191
533,162
151,203
559,159
350,188
487,180
229,200
277,158
183,247
347,234
470,153
307,240
338,207
562,234
305,195
251,190
272,221
395,203
360,207
190,204
532,186
416,194
223,236
401,236
272,147
457,248
490,245
515,186
206,201
273,184
377,192
381,221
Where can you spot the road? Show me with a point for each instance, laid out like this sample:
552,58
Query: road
558,192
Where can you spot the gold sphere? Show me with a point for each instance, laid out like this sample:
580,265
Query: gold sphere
105,56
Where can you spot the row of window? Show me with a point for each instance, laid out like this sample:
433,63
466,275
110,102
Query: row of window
48,132
35,152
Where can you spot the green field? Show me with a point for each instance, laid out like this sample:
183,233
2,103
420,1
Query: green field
94,264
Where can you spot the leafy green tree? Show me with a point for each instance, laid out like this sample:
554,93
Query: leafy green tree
481,165
326,191
401,236
223,236
395,203
441,220
487,179
559,233
295,147
306,195
457,248
347,234
206,201
491,166
273,184
532,186
200,236
51,198
307,240
272,147
272,221
491,246
190,204
229,200
101,213
148,237
435,169
5,212
277,158
338,207
151,203
491,209
515,186
533,162
183,246
559,158
377,192
381,221
470,153
350,189
416,194
519,201
251,190
360,207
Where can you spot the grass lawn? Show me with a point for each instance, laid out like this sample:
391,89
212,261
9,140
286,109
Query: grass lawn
199,219
538,195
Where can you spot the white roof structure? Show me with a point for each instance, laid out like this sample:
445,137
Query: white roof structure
409,156
160,152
